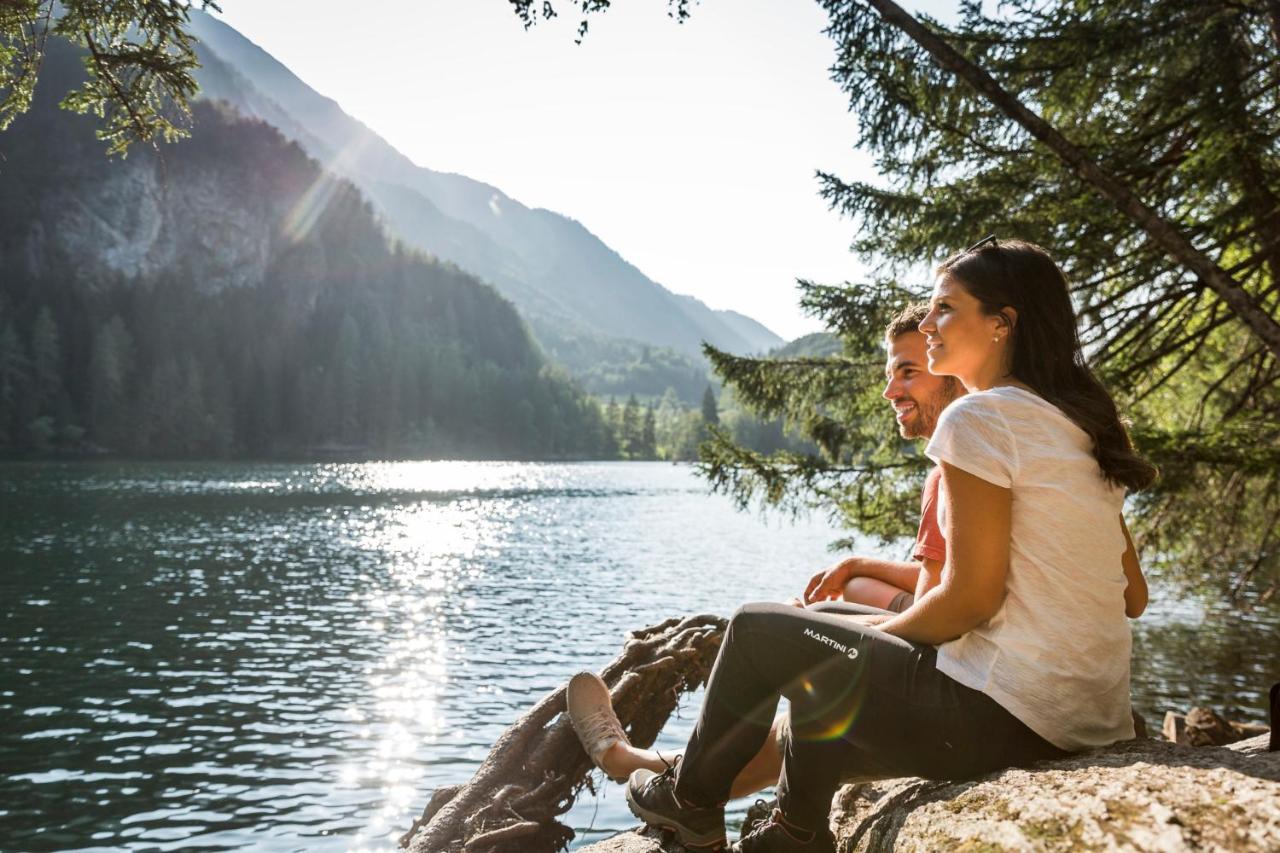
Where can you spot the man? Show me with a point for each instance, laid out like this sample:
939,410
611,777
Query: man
918,398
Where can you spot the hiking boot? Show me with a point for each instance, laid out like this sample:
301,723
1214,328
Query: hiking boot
757,813
652,798
592,717
776,835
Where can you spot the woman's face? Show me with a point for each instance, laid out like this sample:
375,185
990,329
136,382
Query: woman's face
962,340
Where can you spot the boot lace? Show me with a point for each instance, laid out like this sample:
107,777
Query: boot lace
602,730
764,827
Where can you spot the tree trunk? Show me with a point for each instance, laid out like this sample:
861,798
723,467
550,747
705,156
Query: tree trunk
536,769
1165,233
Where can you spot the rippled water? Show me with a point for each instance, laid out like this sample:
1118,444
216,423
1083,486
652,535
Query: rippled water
294,656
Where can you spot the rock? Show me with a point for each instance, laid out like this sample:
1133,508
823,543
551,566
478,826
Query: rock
1256,745
1175,728
1139,795
1202,727
1205,728
634,841
129,221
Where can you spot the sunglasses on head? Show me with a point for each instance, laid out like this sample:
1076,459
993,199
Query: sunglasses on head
990,238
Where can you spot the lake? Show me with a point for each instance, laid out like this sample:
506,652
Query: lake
293,656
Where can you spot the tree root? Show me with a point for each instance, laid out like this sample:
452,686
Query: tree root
537,768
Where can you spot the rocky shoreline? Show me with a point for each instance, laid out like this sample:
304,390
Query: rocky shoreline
1209,784
1144,794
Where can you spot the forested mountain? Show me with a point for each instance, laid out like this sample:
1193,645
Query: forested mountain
750,329
581,298
227,295
815,345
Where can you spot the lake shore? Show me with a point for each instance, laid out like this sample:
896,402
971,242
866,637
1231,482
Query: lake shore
250,655
1140,795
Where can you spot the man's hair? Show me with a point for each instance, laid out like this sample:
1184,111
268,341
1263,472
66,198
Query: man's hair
907,320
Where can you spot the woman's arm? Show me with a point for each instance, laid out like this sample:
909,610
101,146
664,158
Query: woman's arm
979,521
930,576
1135,590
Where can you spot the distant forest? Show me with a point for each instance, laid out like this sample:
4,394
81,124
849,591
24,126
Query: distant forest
343,344
412,358
226,297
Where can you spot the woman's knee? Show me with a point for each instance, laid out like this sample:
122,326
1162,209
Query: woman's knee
752,616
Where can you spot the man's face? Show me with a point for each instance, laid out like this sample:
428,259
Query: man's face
918,397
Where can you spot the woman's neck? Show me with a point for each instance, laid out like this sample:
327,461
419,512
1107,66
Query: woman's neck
990,376
988,379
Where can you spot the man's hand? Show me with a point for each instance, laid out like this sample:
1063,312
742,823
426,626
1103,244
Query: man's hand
872,620
829,584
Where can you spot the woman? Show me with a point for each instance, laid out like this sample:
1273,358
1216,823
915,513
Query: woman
1020,654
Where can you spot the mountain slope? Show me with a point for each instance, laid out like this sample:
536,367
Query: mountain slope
227,296
814,345
559,274
761,338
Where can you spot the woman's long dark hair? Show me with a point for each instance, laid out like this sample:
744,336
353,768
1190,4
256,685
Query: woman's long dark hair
1047,355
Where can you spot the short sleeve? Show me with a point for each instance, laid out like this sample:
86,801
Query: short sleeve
972,435
930,543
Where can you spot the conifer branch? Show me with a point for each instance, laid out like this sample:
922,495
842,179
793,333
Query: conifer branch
1162,231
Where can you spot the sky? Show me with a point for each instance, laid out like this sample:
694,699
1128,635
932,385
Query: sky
690,149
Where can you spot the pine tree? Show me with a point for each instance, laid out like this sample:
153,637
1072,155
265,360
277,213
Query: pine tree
347,373
110,365
218,395
161,427
139,63
613,423
710,415
192,430
649,434
46,361
629,436
14,369
1136,140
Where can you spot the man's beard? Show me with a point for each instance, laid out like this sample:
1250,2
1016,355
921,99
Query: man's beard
930,409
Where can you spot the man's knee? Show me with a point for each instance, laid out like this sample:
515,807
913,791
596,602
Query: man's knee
871,592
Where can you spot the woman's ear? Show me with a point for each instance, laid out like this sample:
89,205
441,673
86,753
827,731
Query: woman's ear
1010,316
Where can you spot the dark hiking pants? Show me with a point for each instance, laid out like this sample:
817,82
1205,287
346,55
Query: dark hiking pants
864,704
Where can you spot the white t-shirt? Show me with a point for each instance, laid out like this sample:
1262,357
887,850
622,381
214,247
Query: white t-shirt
1056,654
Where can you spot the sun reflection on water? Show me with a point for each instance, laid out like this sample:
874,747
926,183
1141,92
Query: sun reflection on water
427,550
447,477
286,656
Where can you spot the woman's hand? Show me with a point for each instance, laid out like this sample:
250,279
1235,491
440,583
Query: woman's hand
872,620
829,583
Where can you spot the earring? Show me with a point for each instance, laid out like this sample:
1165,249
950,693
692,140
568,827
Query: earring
995,339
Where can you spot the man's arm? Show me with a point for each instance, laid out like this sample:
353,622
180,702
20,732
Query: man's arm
905,575
830,583
972,588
